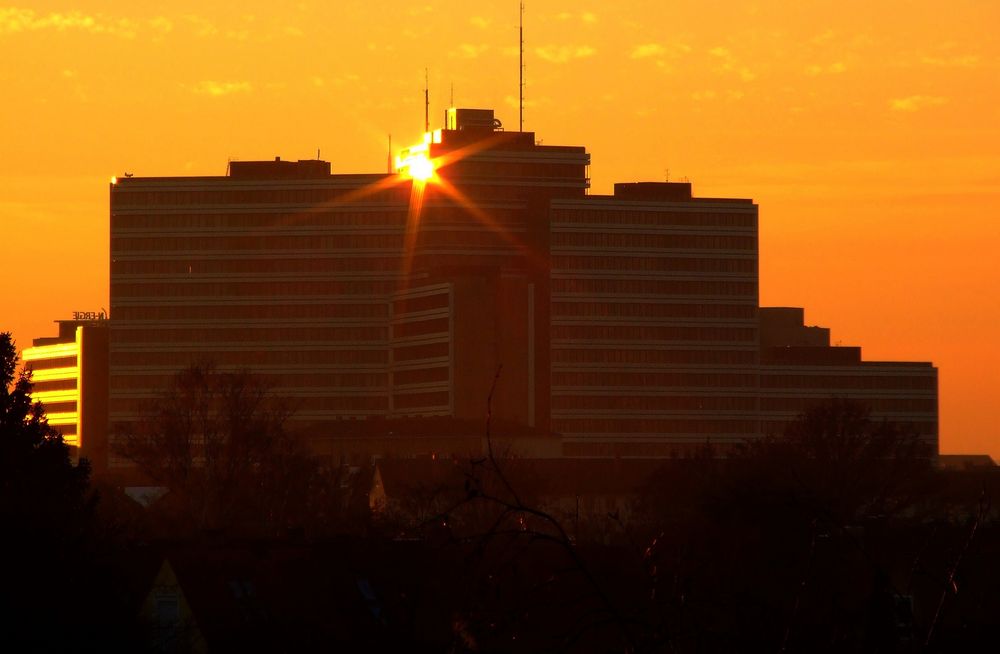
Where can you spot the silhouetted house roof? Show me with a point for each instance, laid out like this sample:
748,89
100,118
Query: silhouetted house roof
267,596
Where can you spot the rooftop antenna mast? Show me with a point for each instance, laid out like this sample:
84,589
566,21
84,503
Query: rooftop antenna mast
520,72
427,104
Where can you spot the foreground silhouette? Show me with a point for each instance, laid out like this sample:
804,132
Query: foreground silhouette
60,589
838,536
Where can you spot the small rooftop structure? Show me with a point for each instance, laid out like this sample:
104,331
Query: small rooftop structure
278,169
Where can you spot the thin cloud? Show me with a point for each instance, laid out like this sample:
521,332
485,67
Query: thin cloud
729,64
560,54
480,22
833,69
217,89
588,17
916,102
470,50
529,103
646,50
14,20
161,24
201,25
822,38
957,61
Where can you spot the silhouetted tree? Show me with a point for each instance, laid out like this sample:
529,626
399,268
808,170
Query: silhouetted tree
218,441
58,585
793,542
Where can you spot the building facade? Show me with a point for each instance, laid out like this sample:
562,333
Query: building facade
69,373
623,325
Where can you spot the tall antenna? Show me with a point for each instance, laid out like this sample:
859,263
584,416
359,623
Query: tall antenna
427,104
520,72
388,160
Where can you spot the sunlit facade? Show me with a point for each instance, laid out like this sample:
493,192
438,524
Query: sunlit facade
621,325
70,378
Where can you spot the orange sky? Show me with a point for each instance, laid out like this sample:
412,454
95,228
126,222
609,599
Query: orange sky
868,132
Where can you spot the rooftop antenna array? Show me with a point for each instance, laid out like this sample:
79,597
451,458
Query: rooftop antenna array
520,72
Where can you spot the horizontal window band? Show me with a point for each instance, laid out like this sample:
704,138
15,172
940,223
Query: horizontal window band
651,346
654,391
598,203
714,414
636,321
568,227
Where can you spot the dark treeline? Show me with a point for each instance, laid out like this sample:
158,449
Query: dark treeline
839,536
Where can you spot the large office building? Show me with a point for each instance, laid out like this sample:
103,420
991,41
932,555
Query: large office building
621,325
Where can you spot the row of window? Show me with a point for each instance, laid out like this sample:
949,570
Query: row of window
650,380
402,354
484,237
421,400
263,311
256,242
263,356
437,326
421,376
566,217
54,385
505,169
413,304
653,241
276,290
652,264
902,381
923,428
654,287
627,403
650,310
376,403
276,379
372,244
895,404
653,426
653,333
674,447
49,364
221,265
266,336
653,357
155,197
382,220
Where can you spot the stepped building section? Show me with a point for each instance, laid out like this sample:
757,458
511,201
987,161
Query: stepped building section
799,368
